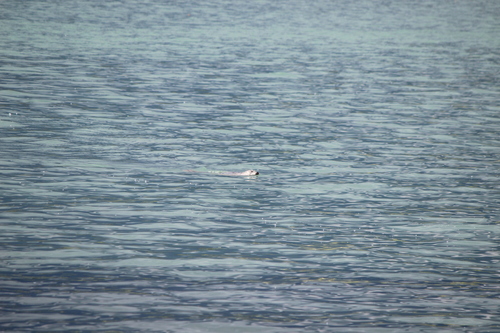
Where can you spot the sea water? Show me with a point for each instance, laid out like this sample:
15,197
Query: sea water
375,126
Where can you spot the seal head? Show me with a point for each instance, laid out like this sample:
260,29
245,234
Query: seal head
250,173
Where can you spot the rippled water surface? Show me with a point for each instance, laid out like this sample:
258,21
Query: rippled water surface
375,126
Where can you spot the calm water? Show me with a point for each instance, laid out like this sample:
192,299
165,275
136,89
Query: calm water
375,126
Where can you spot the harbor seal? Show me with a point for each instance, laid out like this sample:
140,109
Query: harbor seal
244,173
229,173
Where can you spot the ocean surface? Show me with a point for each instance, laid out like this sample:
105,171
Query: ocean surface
374,125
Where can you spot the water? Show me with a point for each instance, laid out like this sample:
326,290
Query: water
374,126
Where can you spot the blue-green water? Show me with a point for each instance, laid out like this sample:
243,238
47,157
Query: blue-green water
375,126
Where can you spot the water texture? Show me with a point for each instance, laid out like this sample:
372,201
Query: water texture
375,126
